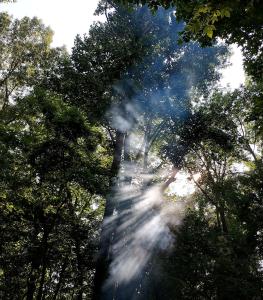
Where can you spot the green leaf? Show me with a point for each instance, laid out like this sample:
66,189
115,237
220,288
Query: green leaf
225,12
209,31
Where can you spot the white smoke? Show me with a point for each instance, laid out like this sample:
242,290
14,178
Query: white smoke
143,221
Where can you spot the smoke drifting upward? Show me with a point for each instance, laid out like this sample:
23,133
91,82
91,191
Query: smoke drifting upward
149,101
141,228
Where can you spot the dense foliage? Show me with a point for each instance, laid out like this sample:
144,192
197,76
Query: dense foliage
86,137
235,21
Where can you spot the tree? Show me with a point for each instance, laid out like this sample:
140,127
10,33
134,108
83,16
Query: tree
145,83
86,140
25,55
51,173
54,165
234,21
219,237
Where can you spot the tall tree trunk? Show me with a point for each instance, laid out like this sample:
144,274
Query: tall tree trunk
104,257
127,159
31,285
35,264
118,148
223,219
44,263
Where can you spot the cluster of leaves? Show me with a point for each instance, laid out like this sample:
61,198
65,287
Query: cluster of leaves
235,21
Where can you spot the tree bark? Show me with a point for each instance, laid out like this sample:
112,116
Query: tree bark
223,219
117,153
44,263
104,257
127,159
33,276
31,286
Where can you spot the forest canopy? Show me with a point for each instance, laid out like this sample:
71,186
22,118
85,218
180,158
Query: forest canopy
94,142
